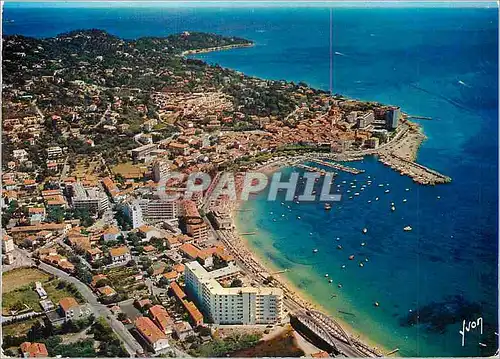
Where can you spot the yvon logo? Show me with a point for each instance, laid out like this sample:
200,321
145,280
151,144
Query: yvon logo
471,325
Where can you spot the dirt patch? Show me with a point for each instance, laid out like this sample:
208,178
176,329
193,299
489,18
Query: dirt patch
20,277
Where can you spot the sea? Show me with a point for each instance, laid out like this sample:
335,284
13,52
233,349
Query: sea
431,282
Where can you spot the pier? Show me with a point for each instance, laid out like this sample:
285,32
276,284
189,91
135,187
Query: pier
420,173
322,172
338,166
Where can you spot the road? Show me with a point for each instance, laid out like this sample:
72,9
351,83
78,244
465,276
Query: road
131,345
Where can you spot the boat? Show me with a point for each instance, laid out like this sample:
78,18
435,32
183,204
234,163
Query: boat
356,194
351,197
343,266
344,182
376,304
392,203
340,285
407,229
315,250
338,238
298,217
376,198
381,185
348,191
328,206
370,201
404,200
361,264
282,215
330,281
274,219
364,230
387,191
438,197
339,247
326,275
363,244
407,189
393,208
310,233
351,257
366,259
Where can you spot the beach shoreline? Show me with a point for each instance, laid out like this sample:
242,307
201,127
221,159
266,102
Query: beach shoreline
298,295
216,48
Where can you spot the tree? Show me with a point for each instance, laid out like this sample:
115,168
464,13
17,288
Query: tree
236,283
122,316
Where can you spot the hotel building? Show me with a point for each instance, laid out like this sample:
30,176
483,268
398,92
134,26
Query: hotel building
243,305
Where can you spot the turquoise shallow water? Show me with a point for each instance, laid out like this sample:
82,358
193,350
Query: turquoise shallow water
433,62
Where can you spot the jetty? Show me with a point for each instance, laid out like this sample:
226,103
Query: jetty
419,173
322,172
338,166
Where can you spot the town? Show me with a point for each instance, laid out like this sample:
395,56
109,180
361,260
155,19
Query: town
95,261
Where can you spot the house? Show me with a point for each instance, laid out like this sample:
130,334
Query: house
34,350
152,335
70,309
94,254
171,276
120,255
106,291
96,279
189,251
179,268
183,330
149,232
160,317
111,234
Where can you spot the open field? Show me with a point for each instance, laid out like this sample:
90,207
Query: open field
129,170
21,297
21,277
18,329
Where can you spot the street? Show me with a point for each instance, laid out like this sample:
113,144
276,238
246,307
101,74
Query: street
130,344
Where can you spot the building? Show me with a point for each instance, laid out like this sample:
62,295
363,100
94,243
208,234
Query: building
20,155
365,119
195,226
33,350
111,234
183,330
54,152
69,309
91,198
149,232
7,249
160,317
134,212
239,305
392,117
152,335
143,152
151,211
120,255
160,170
372,142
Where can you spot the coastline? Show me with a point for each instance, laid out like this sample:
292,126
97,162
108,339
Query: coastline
216,48
298,295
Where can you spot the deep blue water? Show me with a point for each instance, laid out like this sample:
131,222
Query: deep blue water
440,63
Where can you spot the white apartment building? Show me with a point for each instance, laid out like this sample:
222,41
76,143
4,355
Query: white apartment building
54,152
90,198
244,305
152,211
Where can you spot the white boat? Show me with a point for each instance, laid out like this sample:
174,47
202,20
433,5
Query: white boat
393,208
326,275
315,250
369,201
387,191
438,197
404,200
298,217
381,185
343,266
356,194
376,198
407,189
392,203
407,229
361,264
363,244
338,238
330,281
365,230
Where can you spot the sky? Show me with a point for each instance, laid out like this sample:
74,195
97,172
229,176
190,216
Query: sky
258,3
